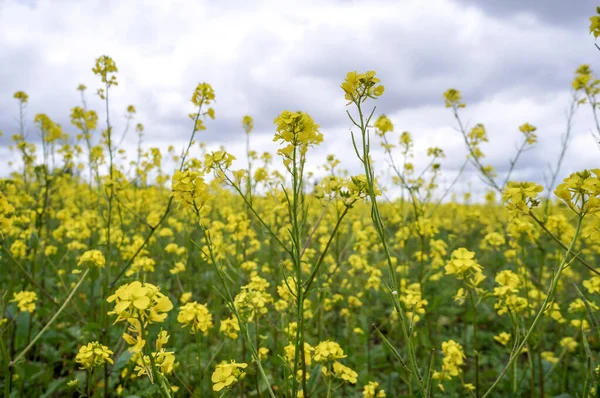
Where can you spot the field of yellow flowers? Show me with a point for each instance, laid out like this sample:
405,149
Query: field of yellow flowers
121,278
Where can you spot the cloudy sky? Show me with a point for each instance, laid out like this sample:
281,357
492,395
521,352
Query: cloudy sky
513,60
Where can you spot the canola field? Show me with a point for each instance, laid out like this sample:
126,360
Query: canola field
122,277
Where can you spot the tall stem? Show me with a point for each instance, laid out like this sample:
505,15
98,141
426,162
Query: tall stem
538,316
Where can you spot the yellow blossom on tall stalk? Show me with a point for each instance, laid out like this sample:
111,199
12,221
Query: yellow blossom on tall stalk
453,98
581,191
464,266
105,65
520,197
136,300
360,86
247,124
297,130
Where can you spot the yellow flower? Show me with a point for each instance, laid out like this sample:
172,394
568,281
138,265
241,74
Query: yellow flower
251,303
92,258
528,130
263,352
136,344
197,316
203,94
569,343
581,191
21,96
93,355
549,356
503,338
25,300
453,359
177,268
453,99
327,351
248,124
383,125
360,86
463,265
290,353
340,371
135,300
595,25
218,160
370,390
227,374
520,197
230,327
185,297
104,66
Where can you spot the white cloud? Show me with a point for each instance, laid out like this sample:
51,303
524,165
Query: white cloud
263,57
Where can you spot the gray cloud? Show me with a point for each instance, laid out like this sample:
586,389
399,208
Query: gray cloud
569,14
513,61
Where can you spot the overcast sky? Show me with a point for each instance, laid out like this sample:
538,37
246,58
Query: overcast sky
513,60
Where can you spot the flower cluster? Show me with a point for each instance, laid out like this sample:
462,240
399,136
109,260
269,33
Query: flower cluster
453,99
454,358
507,297
340,371
586,82
218,160
529,132
360,86
252,303
476,136
595,23
190,189
247,124
136,301
464,266
92,258
84,120
25,300
6,210
93,355
520,197
327,351
164,361
372,390
104,66
299,131
197,316
383,125
230,327
581,191
227,373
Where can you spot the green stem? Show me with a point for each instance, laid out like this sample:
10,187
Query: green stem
62,307
475,352
538,316
378,223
